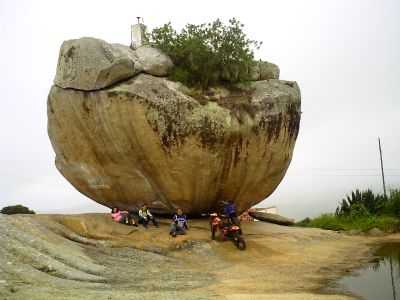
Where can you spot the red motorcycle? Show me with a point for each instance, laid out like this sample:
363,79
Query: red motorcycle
228,231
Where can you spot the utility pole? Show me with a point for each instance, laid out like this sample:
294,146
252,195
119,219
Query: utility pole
383,174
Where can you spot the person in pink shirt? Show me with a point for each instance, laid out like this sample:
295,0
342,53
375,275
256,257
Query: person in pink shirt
123,217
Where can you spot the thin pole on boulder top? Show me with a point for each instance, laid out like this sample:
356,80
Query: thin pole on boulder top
138,20
383,174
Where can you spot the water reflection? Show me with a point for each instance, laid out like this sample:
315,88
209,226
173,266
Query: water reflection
381,280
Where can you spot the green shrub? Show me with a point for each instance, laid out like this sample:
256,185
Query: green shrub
304,223
16,209
327,221
362,210
393,204
361,203
359,210
207,54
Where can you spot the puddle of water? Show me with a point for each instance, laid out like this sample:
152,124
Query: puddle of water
379,280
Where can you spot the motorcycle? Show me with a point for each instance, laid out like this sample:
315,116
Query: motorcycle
228,231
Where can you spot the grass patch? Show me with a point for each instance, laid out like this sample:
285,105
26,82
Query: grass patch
342,223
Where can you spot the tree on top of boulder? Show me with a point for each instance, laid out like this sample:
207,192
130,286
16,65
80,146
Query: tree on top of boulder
207,54
16,209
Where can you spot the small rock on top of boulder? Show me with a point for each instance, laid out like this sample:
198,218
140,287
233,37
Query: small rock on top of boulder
153,61
91,64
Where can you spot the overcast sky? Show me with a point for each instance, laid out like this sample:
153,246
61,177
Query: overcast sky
345,55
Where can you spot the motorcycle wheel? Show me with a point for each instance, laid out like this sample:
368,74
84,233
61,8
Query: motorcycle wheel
240,243
213,230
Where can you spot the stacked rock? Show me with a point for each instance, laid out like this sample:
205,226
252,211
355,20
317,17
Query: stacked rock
124,135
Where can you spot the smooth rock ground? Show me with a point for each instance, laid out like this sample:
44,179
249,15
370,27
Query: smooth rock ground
90,257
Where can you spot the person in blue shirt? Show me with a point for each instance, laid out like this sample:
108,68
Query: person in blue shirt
179,223
230,212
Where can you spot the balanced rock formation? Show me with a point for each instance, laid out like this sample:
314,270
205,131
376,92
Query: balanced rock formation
134,139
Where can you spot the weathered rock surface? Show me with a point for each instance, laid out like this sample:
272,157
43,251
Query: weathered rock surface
263,70
92,64
90,257
375,232
153,61
260,70
144,141
147,140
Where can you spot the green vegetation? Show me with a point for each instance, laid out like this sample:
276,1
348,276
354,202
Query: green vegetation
362,210
207,54
365,223
16,209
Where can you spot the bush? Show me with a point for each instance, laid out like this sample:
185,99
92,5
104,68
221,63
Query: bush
16,209
203,53
327,221
362,203
304,223
362,210
393,204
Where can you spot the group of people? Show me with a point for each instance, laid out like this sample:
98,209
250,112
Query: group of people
143,217
179,224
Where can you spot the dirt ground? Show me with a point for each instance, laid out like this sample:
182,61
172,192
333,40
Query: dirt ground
89,256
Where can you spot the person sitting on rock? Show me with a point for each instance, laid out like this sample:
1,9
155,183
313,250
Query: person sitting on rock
179,223
123,217
145,217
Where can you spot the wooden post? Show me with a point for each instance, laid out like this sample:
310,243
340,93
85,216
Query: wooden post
383,174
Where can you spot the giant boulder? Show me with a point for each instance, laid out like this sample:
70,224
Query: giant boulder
148,140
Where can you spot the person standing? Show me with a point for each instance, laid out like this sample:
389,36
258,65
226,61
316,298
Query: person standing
230,212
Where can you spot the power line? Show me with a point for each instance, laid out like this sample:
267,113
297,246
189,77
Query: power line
347,175
350,169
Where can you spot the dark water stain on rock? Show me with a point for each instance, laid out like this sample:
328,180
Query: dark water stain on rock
239,104
171,128
85,104
237,149
271,125
293,123
208,133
